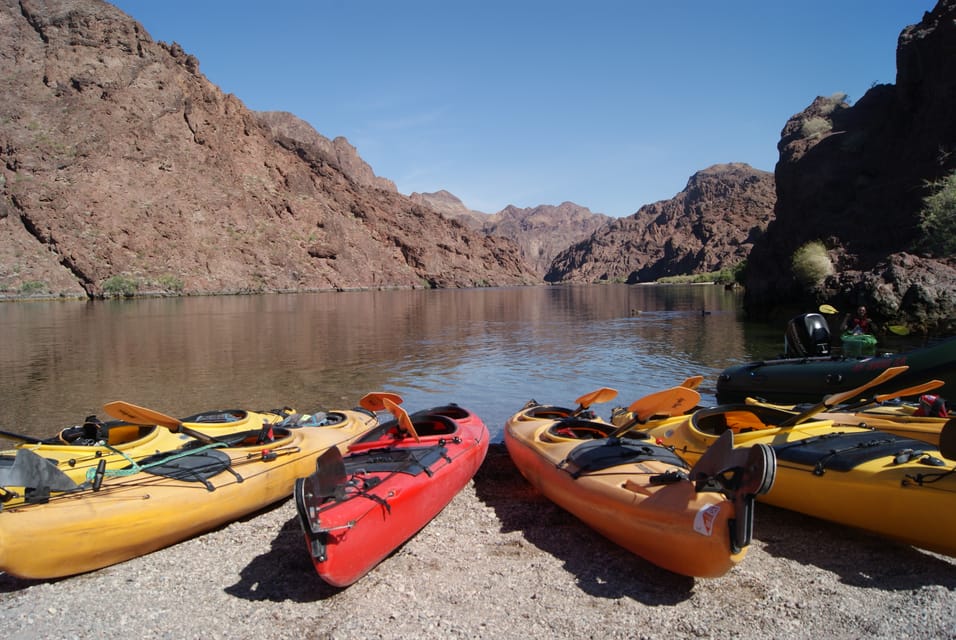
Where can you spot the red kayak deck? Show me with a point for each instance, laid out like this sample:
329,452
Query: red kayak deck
357,509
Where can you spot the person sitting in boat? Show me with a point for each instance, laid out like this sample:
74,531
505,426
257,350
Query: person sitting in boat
859,322
932,406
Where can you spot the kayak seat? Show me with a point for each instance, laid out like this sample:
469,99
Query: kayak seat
452,411
124,433
217,417
735,421
739,418
92,432
434,425
580,429
543,412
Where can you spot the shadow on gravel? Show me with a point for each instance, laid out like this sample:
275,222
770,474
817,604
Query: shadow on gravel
859,558
283,572
601,568
9,584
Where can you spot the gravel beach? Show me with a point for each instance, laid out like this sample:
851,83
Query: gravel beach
499,562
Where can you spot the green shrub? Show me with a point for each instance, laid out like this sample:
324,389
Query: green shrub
120,287
171,283
815,126
833,102
724,276
811,264
938,217
32,286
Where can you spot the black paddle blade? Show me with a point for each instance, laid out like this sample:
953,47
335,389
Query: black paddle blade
34,472
741,474
329,473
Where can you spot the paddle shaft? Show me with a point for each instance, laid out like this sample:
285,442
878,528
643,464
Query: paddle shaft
902,393
19,437
837,398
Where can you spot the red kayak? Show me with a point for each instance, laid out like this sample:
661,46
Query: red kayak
357,509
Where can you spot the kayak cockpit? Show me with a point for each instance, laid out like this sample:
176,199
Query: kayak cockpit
738,418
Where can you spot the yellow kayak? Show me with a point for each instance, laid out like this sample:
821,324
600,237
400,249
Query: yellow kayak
696,522
898,487
124,513
76,450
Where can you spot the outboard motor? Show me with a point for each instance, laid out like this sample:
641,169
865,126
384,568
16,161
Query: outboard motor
807,335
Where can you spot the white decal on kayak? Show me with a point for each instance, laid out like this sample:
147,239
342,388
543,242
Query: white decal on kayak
705,518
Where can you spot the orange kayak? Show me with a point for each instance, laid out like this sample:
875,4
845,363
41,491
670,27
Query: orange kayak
696,522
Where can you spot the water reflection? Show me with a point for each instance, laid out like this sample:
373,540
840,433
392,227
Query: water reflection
488,349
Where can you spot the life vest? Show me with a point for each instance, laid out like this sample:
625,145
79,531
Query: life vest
932,406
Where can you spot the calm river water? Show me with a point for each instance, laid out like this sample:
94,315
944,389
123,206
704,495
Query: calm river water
489,350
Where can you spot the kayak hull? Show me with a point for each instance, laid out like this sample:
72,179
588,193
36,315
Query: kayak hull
136,513
900,488
76,451
389,486
647,506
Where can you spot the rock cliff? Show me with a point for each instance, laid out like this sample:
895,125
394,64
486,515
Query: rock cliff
541,232
124,170
854,178
710,225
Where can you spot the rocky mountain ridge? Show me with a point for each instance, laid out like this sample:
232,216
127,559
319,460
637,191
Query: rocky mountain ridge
854,178
710,225
124,170
541,232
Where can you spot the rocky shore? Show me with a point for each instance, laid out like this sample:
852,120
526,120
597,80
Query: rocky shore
499,562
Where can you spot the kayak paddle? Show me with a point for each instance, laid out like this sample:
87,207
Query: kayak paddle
604,394
141,415
837,398
902,393
669,402
374,401
692,382
19,437
402,416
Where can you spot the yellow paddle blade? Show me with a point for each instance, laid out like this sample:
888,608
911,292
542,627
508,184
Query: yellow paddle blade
669,402
692,382
604,394
910,391
374,401
141,415
135,414
899,329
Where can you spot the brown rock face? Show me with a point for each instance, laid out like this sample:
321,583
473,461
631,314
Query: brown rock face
710,225
544,231
541,232
120,163
855,177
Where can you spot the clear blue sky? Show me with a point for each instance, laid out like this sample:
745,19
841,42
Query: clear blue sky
608,104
